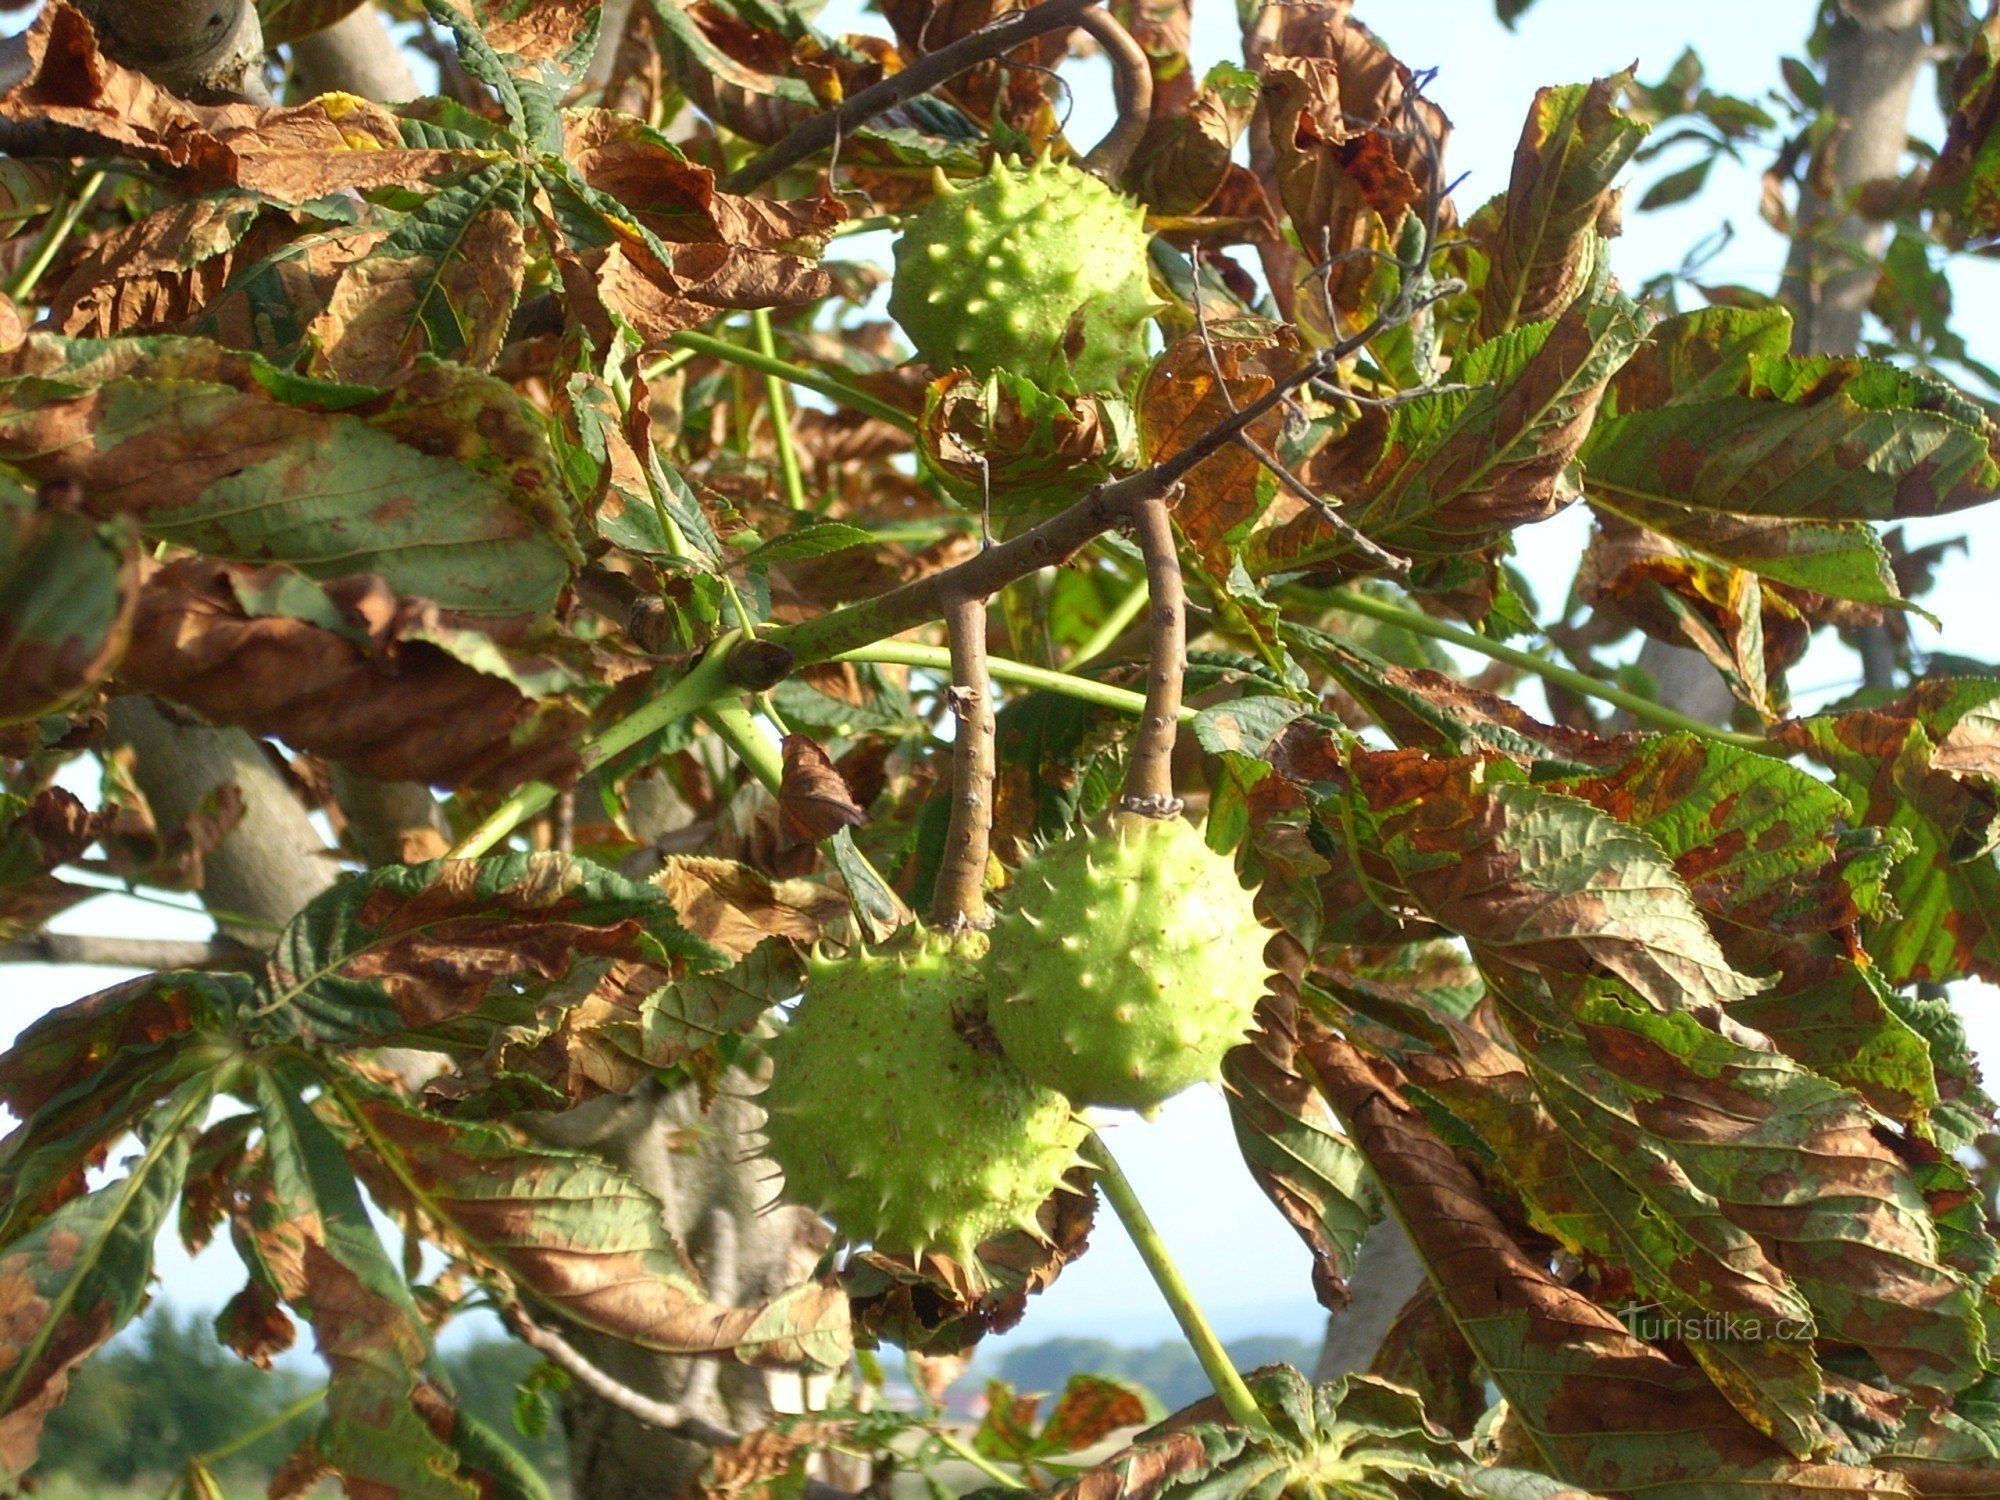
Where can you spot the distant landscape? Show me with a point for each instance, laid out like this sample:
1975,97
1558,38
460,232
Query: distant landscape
170,1392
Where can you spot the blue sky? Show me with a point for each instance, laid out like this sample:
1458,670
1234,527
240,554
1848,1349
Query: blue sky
1244,1263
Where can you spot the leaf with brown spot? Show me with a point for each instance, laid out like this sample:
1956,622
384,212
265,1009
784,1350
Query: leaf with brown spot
68,582
1451,472
733,908
1184,159
1543,242
1534,879
443,485
350,671
286,21
303,1232
444,283
449,950
1612,1413
81,1275
578,1237
83,1075
1295,1150
814,801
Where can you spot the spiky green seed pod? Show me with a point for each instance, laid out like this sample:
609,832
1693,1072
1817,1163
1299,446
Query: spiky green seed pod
1038,270
885,1119
1127,961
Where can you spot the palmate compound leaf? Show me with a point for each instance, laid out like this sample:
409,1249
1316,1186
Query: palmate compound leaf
1356,1435
443,485
575,1236
1603,1409
451,951
1925,767
78,1277
1749,1331
299,1223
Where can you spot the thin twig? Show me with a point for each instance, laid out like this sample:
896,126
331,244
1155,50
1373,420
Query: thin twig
1132,81
990,41
648,1409
1149,777
1054,541
960,899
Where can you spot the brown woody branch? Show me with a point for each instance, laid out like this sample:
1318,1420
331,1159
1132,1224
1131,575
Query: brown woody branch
1132,79
1149,778
1054,541
822,131
960,899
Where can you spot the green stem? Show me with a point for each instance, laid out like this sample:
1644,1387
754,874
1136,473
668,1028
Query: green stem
978,1460
730,719
781,414
706,682
54,238
265,1428
1645,710
1123,613
1215,1362
813,380
1003,669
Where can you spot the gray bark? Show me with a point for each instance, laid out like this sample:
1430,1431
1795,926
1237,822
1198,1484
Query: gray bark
355,55
1387,1274
273,861
200,49
1874,56
722,1211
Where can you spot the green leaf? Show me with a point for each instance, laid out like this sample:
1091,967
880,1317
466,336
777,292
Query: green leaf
816,539
577,1237
1924,768
308,1238
444,485
82,1275
1544,247
1677,187
68,585
450,950
81,1076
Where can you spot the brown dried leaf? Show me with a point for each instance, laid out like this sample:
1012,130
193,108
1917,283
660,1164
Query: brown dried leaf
364,684
1182,399
291,155
734,908
814,801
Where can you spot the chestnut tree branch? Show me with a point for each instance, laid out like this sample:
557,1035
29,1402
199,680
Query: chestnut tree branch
1132,79
992,40
960,899
126,953
1149,778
